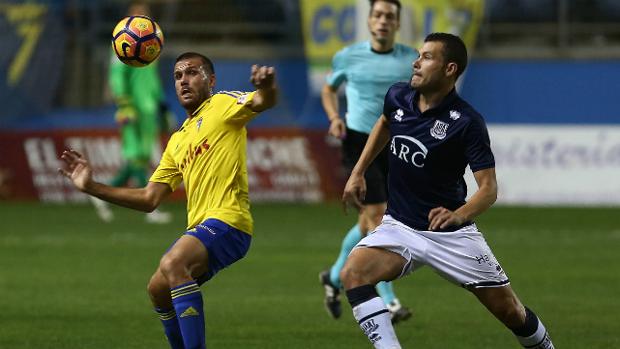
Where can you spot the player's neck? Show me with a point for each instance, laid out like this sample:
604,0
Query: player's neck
431,99
382,47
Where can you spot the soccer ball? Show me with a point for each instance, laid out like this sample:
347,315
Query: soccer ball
137,40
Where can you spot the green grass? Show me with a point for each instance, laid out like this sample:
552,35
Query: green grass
69,281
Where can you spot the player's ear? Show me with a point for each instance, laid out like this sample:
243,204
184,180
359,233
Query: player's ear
212,81
451,69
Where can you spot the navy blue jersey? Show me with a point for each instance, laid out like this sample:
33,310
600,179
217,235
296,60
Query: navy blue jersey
429,153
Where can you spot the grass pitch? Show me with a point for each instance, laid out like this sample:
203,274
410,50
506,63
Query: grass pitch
70,281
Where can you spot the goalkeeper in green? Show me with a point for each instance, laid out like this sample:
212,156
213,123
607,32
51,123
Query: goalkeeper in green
140,114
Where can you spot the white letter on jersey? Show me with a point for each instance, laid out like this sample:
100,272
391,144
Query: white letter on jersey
417,158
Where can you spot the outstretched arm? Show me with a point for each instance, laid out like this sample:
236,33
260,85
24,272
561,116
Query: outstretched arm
355,189
79,171
264,79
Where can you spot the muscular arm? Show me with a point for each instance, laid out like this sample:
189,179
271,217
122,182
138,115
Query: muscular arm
378,138
142,199
482,199
79,171
329,99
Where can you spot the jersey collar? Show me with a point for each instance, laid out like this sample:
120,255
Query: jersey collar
377,52
445,103
201,106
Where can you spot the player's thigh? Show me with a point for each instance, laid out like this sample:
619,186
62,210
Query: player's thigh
369,265
189,253
225,245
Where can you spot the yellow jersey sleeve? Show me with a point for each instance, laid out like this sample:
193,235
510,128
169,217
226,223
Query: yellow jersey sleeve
234,106
167,171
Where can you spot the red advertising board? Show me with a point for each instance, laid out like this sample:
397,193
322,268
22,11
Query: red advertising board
283,164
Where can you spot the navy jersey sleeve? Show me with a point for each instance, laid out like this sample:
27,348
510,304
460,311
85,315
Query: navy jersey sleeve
478,145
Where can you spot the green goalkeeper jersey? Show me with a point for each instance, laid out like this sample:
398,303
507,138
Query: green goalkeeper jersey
140,89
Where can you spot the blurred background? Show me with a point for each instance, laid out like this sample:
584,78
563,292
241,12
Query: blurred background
544,73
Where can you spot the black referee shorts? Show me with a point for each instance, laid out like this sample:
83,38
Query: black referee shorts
376,175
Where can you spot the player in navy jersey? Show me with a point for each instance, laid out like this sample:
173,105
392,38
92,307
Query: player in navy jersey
365,88
433,135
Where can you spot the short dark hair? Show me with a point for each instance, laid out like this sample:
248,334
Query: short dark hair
395,2
205,61
454,49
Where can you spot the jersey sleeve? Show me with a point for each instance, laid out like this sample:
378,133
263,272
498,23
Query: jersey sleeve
234,106
478,145
338,74
167,171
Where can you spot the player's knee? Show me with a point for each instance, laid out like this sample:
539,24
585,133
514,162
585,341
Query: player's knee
156,285
159,291
171,267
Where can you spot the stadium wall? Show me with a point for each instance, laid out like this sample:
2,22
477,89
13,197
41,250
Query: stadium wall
554,125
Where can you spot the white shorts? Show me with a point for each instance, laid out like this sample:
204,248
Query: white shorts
462,257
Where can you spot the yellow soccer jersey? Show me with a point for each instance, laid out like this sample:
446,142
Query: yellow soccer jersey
208,153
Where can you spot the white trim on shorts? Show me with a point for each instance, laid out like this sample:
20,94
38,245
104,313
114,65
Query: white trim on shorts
462,257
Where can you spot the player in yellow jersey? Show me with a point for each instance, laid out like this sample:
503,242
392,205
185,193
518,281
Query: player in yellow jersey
207,154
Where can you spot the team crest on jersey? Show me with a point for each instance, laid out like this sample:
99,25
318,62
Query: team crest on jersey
242,99
454,115
399,115
439,129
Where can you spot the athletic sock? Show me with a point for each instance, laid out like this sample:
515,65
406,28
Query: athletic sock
533,333
187,302
350,240
373,317
386,291
171,327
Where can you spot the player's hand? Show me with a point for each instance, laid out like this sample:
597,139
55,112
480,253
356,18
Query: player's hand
354,192
125,114
441,218
337,128
76,168
263,77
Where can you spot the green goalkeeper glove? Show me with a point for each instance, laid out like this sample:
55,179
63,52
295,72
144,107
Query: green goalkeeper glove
125,112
